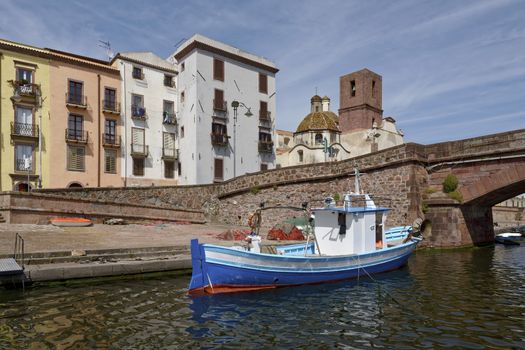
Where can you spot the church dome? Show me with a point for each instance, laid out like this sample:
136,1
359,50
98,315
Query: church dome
315,98
319,121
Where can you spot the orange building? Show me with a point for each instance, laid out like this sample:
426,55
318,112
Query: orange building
85,133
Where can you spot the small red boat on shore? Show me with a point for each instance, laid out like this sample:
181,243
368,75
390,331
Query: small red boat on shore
70,222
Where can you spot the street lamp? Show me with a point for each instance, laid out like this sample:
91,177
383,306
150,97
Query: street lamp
235,105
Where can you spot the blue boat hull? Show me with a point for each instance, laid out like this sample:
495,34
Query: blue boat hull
219,269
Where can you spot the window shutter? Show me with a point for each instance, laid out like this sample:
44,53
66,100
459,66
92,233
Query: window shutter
263,83
75,158
138,136
218,69
218,169
110,161
169,140
219,99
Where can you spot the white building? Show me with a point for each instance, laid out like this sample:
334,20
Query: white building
149,94
214,144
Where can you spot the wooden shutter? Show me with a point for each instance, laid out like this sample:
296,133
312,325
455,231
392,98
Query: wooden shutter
110,161
263,110
218,102
137,139
218,169
218,69
75,158
169,169
138,166
169,140
263,83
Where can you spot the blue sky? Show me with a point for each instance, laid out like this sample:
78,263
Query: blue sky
451,69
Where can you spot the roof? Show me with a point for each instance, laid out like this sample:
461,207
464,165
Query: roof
53,54
319,121
198,41
146,58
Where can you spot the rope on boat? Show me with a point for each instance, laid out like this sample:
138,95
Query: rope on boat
374,280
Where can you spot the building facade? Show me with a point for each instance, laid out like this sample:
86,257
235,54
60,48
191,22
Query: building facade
24,117
149,94
85,132
226,108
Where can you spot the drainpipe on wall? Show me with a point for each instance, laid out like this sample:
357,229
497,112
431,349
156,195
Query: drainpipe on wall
123,110
99,133
1,81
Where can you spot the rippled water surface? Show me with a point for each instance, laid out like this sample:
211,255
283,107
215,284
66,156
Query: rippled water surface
471,299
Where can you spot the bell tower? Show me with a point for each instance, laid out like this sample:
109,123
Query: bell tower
360,100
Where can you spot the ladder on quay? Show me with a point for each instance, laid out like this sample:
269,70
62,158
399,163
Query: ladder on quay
12,269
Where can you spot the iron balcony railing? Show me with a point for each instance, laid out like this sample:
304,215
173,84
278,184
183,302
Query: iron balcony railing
110,140
265,116
219,139
20,165
25,88
23,129
138,112
169,118
111,106
220,105
76,100
266,146
76,136
138,150
170,153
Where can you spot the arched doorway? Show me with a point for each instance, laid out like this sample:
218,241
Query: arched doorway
75,185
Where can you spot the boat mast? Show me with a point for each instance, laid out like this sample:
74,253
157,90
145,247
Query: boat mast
356,179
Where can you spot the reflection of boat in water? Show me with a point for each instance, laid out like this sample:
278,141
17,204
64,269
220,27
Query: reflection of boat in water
349,241
508,238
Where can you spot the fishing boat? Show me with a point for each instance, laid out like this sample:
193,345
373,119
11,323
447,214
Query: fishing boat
347,241
70,222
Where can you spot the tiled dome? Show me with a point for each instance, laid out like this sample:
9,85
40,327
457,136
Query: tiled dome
319,121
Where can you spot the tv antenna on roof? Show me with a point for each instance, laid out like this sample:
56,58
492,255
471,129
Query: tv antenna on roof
106,45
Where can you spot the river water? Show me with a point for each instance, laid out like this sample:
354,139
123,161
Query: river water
471,299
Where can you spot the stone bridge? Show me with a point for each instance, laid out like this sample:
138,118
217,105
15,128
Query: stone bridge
408,177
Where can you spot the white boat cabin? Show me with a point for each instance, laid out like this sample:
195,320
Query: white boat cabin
354,228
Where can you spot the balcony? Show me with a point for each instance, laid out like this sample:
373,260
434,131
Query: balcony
76,136
24,130
265,146
139,151
110,140
220,105
169,118
138,112
20,166
219,139
170,153
110,106
75,100
25,90
265,116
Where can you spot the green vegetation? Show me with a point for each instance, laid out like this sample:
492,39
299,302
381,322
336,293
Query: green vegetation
337,197
255,189
455,195
450,184
424,208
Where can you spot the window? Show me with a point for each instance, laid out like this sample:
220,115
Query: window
110,99
168,114
137,141
75,92
169,169
218,129
352,87
75,127
373,88
24,121
24,75
137,106
182,66
218,101
75,158
180,168
263,110
264,166
318,139
168,80
181,132
110,161
24,157
110,133
182,97
300,154
137,73
218,69
168,144
263,83
138,166
218,170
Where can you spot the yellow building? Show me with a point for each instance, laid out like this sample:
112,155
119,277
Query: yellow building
24,117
